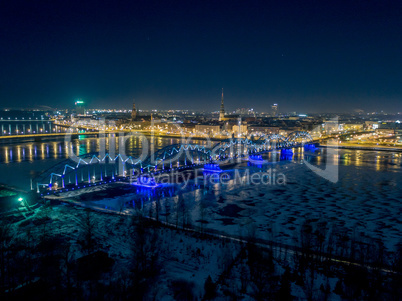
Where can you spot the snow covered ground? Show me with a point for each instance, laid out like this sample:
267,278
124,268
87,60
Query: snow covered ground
184,256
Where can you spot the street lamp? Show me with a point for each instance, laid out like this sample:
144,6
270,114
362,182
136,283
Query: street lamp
23,202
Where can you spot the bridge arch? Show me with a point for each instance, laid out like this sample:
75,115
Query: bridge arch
176,155
299,137
90,168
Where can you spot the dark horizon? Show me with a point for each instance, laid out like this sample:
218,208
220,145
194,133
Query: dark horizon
307,57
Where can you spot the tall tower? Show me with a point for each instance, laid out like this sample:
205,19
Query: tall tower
222,110
274,109
133,112
79,107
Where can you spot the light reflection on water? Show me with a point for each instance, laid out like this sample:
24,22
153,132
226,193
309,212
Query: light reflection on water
31,151
47,153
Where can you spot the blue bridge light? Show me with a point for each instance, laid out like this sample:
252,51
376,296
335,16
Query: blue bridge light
197,154
256,157
310,147
211,167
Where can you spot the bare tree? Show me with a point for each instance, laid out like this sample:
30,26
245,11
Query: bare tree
203,211
5,240
157,208
87,224
167,210
145,254
262,269
181,210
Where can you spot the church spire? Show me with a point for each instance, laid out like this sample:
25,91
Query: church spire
133,112
222,110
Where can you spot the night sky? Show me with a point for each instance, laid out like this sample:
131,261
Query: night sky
308,56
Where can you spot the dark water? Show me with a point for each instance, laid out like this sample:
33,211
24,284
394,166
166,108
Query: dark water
22,161
17,152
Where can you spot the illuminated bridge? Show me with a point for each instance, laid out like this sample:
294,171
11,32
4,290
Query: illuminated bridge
94,169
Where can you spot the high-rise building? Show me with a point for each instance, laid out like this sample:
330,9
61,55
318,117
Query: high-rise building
79,107
274,109
133,112
222,110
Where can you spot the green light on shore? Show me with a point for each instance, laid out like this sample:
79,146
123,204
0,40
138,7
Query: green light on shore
20,199
79,102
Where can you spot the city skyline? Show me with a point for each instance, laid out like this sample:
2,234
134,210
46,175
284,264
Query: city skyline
200,150
268,109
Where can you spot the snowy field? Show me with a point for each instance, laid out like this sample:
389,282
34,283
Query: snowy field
184,256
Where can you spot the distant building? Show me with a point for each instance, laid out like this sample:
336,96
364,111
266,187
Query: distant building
390,125
371,125
134,112
222,110
260,129
83,120
385,131
352,127
274,109
208,128
240,129
79,107
330,126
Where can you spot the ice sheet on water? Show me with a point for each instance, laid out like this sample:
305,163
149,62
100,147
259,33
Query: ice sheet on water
365,199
